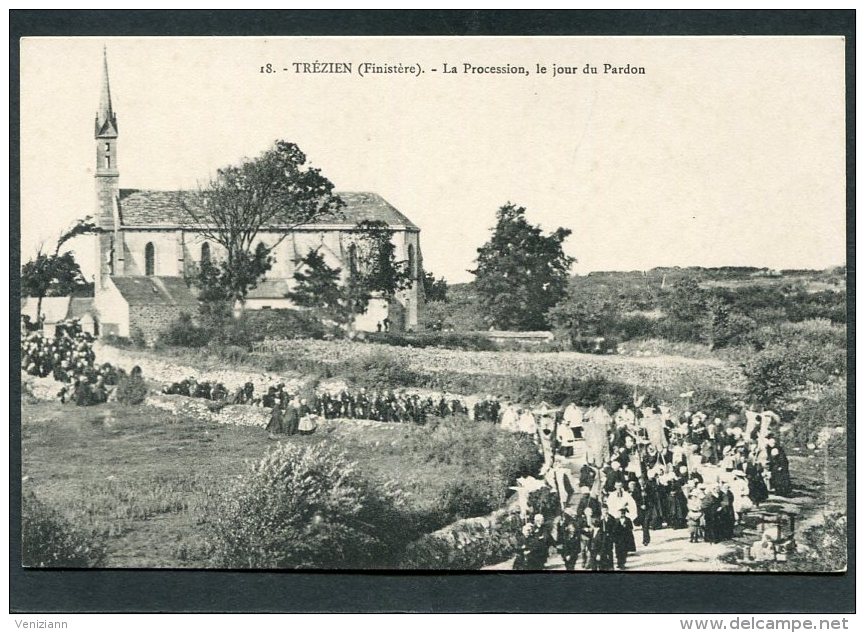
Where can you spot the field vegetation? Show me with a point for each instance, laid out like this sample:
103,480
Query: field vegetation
134,486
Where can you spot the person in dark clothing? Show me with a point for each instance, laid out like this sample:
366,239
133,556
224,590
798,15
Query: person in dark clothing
569,543
641,519
535,547
779,468
585,524
726,519
624,539
711,507
600,547
609,528
275,423
588,499
654,514
757,490
587,476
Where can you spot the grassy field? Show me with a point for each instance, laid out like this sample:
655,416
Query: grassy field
145,481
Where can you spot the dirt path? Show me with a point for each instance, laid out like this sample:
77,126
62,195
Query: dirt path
668,551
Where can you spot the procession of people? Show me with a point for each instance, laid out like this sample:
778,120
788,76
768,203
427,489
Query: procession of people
640,470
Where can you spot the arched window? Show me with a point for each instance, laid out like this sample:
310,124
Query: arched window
411,263
149,259
205,253
352,259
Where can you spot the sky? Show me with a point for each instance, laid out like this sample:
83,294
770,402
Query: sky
727,151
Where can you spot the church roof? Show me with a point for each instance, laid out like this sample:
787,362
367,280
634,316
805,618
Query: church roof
148,207
154,290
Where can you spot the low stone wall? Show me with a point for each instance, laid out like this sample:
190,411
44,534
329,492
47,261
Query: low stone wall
167,371
199,408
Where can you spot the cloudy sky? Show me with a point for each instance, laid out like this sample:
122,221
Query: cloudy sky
728,151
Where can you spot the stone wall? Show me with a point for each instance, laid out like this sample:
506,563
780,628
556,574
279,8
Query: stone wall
152,320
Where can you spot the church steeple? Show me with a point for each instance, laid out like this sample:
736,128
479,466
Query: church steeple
107,183
106,120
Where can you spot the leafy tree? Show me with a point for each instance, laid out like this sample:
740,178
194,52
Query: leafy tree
55,275
521,272
435,289
376,269
580,315
276,190
318,287
50,275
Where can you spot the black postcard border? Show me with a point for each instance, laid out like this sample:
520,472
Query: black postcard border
182,591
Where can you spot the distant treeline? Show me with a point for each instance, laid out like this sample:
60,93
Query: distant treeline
679,304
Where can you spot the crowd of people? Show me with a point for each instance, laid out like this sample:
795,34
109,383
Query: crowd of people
362,404
641,470
68,357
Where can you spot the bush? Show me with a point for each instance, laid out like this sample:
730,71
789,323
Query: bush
49,540
495,457
679,330
825,547
818,332
777,373
306,508
131,389
184,333
469,544
634,326
827,412
280,324
136,336
379,370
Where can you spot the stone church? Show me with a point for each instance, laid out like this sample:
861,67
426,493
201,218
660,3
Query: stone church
147,244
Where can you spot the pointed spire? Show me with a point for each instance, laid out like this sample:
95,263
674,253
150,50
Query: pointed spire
106,120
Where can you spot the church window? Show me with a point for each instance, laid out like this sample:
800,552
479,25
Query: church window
411,262
205,253
149,259
110,256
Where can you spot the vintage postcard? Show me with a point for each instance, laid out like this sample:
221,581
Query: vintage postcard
562,304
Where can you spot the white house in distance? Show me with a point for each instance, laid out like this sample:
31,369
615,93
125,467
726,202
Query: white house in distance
147,243
57,309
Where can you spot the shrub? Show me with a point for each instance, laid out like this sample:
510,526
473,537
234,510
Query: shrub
467,498
305,508
828,411
818,332
284,324
184,333
131,389
49,540
825,547
777,373
495,457
633,326
466,545
136,336
716,402
378,370
679,330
